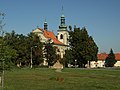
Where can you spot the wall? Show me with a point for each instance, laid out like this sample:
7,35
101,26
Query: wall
117,64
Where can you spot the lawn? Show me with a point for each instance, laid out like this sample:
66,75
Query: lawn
68,79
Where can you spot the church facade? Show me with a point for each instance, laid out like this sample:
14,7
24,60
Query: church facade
60,41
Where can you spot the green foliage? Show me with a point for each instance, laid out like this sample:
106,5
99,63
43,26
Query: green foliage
22,45
50,54
37,46
110,60
7,54
83,46
68,58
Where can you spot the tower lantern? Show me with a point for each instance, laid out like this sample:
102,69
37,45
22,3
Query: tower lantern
45,25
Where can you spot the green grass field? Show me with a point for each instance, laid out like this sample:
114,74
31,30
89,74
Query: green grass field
68,79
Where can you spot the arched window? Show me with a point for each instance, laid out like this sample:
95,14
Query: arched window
61,36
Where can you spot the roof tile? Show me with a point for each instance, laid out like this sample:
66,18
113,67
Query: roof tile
51,35
103,56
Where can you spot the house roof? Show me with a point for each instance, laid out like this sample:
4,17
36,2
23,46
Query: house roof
51,35
117,55
102,56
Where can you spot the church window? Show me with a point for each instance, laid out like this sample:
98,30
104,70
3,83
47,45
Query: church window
61,36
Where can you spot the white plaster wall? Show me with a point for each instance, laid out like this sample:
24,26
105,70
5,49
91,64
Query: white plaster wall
65,37
40,34
61,50
117,64
99,63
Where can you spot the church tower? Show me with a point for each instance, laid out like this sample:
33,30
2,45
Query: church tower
63,34
45,25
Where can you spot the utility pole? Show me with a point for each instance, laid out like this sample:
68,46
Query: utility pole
31,58
31,62
2,15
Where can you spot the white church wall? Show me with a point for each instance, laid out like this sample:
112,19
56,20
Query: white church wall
61,50
65,37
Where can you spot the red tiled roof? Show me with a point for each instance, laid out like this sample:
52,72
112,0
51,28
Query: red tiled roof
117,55
103,56
51,35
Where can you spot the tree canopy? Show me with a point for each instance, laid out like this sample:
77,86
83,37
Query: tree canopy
50,54
83,47
22,44
110,60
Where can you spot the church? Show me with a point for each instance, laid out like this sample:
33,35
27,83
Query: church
60,41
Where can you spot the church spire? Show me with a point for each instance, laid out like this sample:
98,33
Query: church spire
62,10
62,18
45,25
62,22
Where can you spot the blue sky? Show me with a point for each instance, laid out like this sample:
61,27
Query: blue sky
100,17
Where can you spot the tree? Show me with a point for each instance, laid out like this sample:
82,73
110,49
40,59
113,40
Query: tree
37,49
16,42
110,60
92,50
83,46
70,28
50,54
7,54
75,44
22,44
68,58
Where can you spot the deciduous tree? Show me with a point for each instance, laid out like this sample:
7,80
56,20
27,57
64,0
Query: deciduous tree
50,54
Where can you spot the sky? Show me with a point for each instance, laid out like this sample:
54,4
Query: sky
100,17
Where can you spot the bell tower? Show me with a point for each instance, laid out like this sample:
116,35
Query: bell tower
63,34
